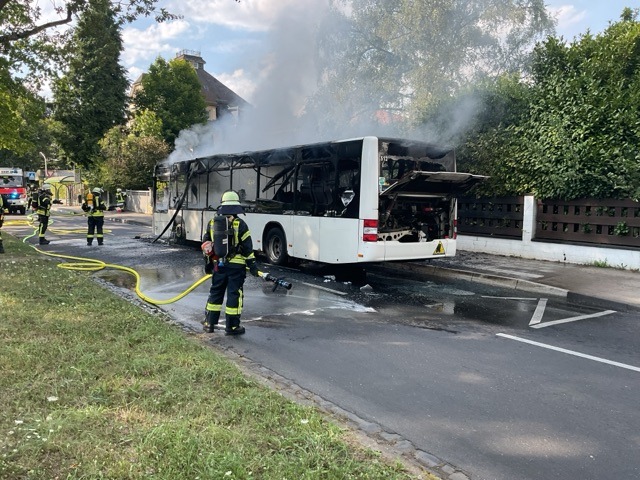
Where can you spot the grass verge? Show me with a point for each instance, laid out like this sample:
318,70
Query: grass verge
93,386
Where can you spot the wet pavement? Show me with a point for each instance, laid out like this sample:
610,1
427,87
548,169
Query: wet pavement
601,287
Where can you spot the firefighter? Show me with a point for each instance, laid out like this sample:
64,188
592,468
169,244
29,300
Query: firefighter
94,207
120,199
1,221
43,211
233,257
33,198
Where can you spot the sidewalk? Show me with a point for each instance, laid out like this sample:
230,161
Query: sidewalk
606,288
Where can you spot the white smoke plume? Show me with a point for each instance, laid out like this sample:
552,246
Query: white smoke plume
280,116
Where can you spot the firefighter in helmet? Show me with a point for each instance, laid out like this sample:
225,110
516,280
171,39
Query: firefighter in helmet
44,211
228,248
94,207
121,198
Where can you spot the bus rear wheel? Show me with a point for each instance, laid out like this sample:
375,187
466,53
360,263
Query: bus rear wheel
276,247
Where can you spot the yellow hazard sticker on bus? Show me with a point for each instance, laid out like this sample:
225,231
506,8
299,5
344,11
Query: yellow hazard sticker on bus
439,249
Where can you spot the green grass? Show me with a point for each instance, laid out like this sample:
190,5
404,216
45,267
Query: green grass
94,387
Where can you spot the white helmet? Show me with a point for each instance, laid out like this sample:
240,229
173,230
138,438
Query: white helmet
118,190
97,190
46,188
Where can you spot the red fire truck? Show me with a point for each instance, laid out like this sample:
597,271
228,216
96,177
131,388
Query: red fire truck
13,189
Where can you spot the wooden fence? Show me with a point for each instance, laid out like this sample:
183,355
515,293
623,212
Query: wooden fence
604,222
495,216
588,221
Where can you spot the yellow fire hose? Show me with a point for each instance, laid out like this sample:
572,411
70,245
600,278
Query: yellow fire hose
92,265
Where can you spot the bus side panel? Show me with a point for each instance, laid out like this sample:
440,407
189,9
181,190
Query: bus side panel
306,238
160,220
338,239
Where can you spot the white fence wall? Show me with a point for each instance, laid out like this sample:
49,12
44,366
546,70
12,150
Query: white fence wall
527,247
139,201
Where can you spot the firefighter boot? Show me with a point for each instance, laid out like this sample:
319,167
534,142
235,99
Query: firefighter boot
44,241
1,247
210,320
233,325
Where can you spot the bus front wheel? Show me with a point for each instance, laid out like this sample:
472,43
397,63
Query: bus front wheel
276,247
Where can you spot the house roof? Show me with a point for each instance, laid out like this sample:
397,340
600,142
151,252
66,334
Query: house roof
215,92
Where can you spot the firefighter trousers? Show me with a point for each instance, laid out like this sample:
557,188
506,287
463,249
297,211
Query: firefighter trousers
44,223
229,278
95,223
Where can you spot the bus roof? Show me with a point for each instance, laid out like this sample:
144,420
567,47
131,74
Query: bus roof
312,151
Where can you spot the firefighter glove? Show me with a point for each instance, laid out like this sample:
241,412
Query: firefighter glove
253,269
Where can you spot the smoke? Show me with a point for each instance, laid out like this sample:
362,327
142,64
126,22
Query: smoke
288,108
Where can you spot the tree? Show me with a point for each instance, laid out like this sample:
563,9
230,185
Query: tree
405,56
20,114
91,98
172,91
580,134
131,153
27,40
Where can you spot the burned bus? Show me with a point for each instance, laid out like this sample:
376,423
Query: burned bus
359,200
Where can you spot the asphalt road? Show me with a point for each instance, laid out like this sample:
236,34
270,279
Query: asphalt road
467,375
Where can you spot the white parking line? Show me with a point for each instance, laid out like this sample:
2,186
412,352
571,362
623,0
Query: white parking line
570,352
537,315
573,319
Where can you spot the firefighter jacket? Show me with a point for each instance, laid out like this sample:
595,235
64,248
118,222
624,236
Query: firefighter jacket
33,199
120,197
240,245
94,207
44,204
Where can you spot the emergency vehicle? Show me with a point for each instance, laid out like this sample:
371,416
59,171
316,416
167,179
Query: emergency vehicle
13,189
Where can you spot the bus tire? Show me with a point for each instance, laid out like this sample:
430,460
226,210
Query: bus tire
276,247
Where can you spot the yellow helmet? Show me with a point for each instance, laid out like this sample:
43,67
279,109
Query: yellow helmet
230,204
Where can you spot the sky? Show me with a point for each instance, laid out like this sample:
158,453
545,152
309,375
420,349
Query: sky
231,36
264,51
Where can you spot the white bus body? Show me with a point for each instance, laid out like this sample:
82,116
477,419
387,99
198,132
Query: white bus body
351,201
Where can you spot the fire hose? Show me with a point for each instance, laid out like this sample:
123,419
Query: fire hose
90,264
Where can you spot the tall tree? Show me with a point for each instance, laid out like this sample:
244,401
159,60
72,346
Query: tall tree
404,55
91,98
173,92
28,40
580,134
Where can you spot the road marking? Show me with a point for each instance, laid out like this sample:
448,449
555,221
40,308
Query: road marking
573,319
570,352
323,288
537,315
510,298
